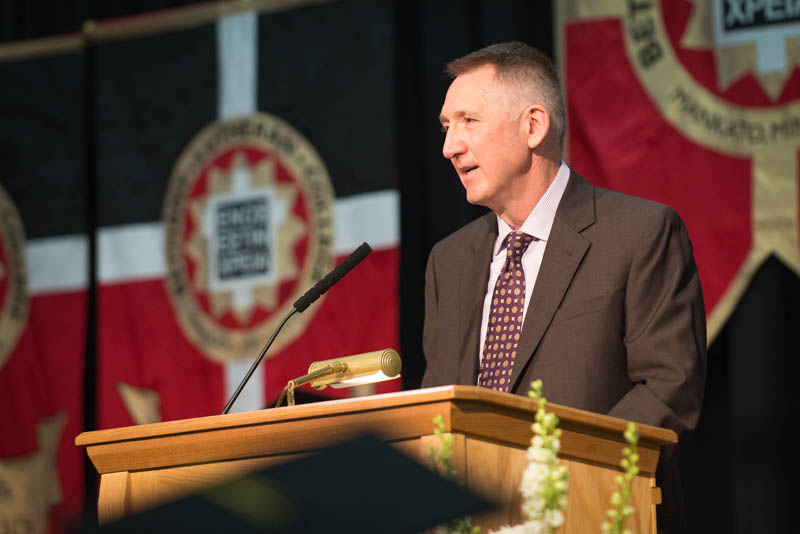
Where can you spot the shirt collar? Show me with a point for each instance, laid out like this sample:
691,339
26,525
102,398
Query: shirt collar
540,219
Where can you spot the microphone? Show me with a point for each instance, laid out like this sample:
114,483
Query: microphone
300,306
332,277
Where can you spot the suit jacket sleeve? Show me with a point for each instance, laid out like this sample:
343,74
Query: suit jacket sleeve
664,329
429,330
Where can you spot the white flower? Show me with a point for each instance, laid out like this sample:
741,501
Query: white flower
543,476
539,455
531,527
554,518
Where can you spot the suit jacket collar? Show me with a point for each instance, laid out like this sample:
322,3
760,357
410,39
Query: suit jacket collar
562,257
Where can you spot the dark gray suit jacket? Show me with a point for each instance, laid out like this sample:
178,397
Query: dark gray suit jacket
616,323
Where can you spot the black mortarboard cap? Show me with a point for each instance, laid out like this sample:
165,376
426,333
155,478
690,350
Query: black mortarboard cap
363,485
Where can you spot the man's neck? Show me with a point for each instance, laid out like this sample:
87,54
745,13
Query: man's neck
542,173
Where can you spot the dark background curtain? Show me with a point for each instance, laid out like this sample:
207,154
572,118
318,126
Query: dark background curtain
736,468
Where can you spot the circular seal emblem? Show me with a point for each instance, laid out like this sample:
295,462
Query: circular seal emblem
13,277
248,217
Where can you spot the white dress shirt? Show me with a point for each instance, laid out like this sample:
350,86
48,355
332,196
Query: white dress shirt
537,224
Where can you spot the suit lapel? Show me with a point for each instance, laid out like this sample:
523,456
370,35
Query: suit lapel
474,275
563,254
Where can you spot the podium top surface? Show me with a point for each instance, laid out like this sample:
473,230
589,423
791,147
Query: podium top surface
469,404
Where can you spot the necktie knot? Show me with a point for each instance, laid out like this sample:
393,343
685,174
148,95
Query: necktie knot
517,243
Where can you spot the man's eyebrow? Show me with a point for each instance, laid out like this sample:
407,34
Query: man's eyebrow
457,114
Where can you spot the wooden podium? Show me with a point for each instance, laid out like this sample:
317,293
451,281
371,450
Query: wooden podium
142,466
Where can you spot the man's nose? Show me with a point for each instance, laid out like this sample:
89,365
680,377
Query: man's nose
453,144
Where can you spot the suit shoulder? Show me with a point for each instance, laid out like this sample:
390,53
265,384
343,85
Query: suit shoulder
587,205
613,204
467,234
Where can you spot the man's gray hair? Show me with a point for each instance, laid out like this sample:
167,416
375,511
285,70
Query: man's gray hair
528,70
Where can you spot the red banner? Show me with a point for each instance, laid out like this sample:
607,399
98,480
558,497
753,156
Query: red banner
223,205
694,106
42,352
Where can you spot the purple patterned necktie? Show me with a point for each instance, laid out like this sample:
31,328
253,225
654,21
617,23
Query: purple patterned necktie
505,316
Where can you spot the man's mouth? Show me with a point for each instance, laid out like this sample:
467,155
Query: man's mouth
466,171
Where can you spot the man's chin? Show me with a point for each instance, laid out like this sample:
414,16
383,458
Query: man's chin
476,198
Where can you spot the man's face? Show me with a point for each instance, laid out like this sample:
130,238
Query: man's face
485,143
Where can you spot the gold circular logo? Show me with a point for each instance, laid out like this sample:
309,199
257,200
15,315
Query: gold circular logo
248,219
13,277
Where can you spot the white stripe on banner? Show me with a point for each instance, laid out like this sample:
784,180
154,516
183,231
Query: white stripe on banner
237,60
237,40
136,251
371,217
56,264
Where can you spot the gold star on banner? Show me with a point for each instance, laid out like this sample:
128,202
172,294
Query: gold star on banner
29,484
143,405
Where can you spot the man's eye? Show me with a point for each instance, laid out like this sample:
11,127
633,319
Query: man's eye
444,128
469,120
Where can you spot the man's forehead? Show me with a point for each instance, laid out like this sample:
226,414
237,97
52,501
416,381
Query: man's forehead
481,79
469,93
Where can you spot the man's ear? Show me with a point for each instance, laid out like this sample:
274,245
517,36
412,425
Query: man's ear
537,124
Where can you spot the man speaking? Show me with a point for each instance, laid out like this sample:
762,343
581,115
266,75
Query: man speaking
594,292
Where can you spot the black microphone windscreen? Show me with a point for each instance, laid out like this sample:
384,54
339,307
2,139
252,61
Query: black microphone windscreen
332,277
